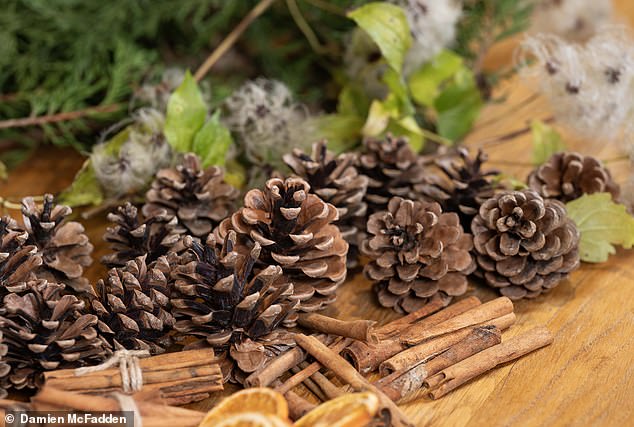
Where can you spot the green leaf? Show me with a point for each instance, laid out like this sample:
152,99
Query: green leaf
85,189
458,106
352,102
408,127
602,224
186,111
387,25
399,92
425,84
4,173
342,131
546,142
212,142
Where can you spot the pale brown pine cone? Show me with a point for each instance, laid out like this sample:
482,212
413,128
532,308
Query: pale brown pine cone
524,244
568,176
418,253
18,261
198,198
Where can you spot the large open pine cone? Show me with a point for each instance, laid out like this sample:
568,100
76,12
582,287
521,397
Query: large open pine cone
131,237
568,176
418,253
335,179
65,248
461,185
18,260
524,244
45,328
199,198
221,300
393,169
133,306
296,231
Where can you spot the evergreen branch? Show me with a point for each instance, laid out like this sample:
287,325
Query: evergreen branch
60,117
231,38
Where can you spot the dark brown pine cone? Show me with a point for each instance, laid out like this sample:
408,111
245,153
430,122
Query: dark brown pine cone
133,306
418,253
460,185
524,244
65,248
18,260
221,300
45,328
296,231
335,179
568,176
199,198
393,169
132,237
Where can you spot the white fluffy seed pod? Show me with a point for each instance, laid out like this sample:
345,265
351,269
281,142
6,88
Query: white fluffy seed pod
575,20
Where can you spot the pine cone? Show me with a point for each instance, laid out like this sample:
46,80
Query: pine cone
64,246
336,181
461,186
418,253
18,260
222,301
295,230
393,169
524,244
46,328
133,306
131,237
200,199
568,176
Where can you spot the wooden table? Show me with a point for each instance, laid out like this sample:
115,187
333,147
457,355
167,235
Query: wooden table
584,378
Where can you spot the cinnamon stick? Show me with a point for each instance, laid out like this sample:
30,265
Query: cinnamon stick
273,370
420,353
454,376
311,386
405,382
347,373
362,330
298,406
482,313
397,325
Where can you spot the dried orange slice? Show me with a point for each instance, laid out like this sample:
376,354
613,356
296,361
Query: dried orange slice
349,410
252,419
264,401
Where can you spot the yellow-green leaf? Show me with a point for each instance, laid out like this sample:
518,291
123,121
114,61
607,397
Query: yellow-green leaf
342,131
186,111
546,142
602,224
212,142
387,25
85,189
4,174
425,84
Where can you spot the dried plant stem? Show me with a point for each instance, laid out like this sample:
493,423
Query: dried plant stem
59,117
362,330
231,38
305,28
502,139
513,109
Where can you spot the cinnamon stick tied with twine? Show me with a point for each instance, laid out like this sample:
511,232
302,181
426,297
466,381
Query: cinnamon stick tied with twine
428,349
348,374
362,330
482,313
401,384
367,358
454,376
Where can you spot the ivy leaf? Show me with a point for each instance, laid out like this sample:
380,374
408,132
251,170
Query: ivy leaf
186,111
602,224
387,25
85,189
425,84
546,142
212,142
458,106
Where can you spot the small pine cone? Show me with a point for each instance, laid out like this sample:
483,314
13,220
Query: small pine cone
568,176
65,248
524,244
199,198
45,328
418,253
461,185
393,169
296,230
133,306
18,260
221,300
132,237
336,181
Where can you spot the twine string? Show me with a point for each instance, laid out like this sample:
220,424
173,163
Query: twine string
128,404
129,367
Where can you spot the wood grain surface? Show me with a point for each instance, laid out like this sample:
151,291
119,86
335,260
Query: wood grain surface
586,377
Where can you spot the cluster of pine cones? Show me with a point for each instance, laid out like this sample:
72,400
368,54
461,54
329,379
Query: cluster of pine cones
193,269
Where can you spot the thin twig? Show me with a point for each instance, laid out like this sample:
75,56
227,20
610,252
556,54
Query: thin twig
514,109
305,28
231,38
60,117
501,139
622,158
324,5
435,137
